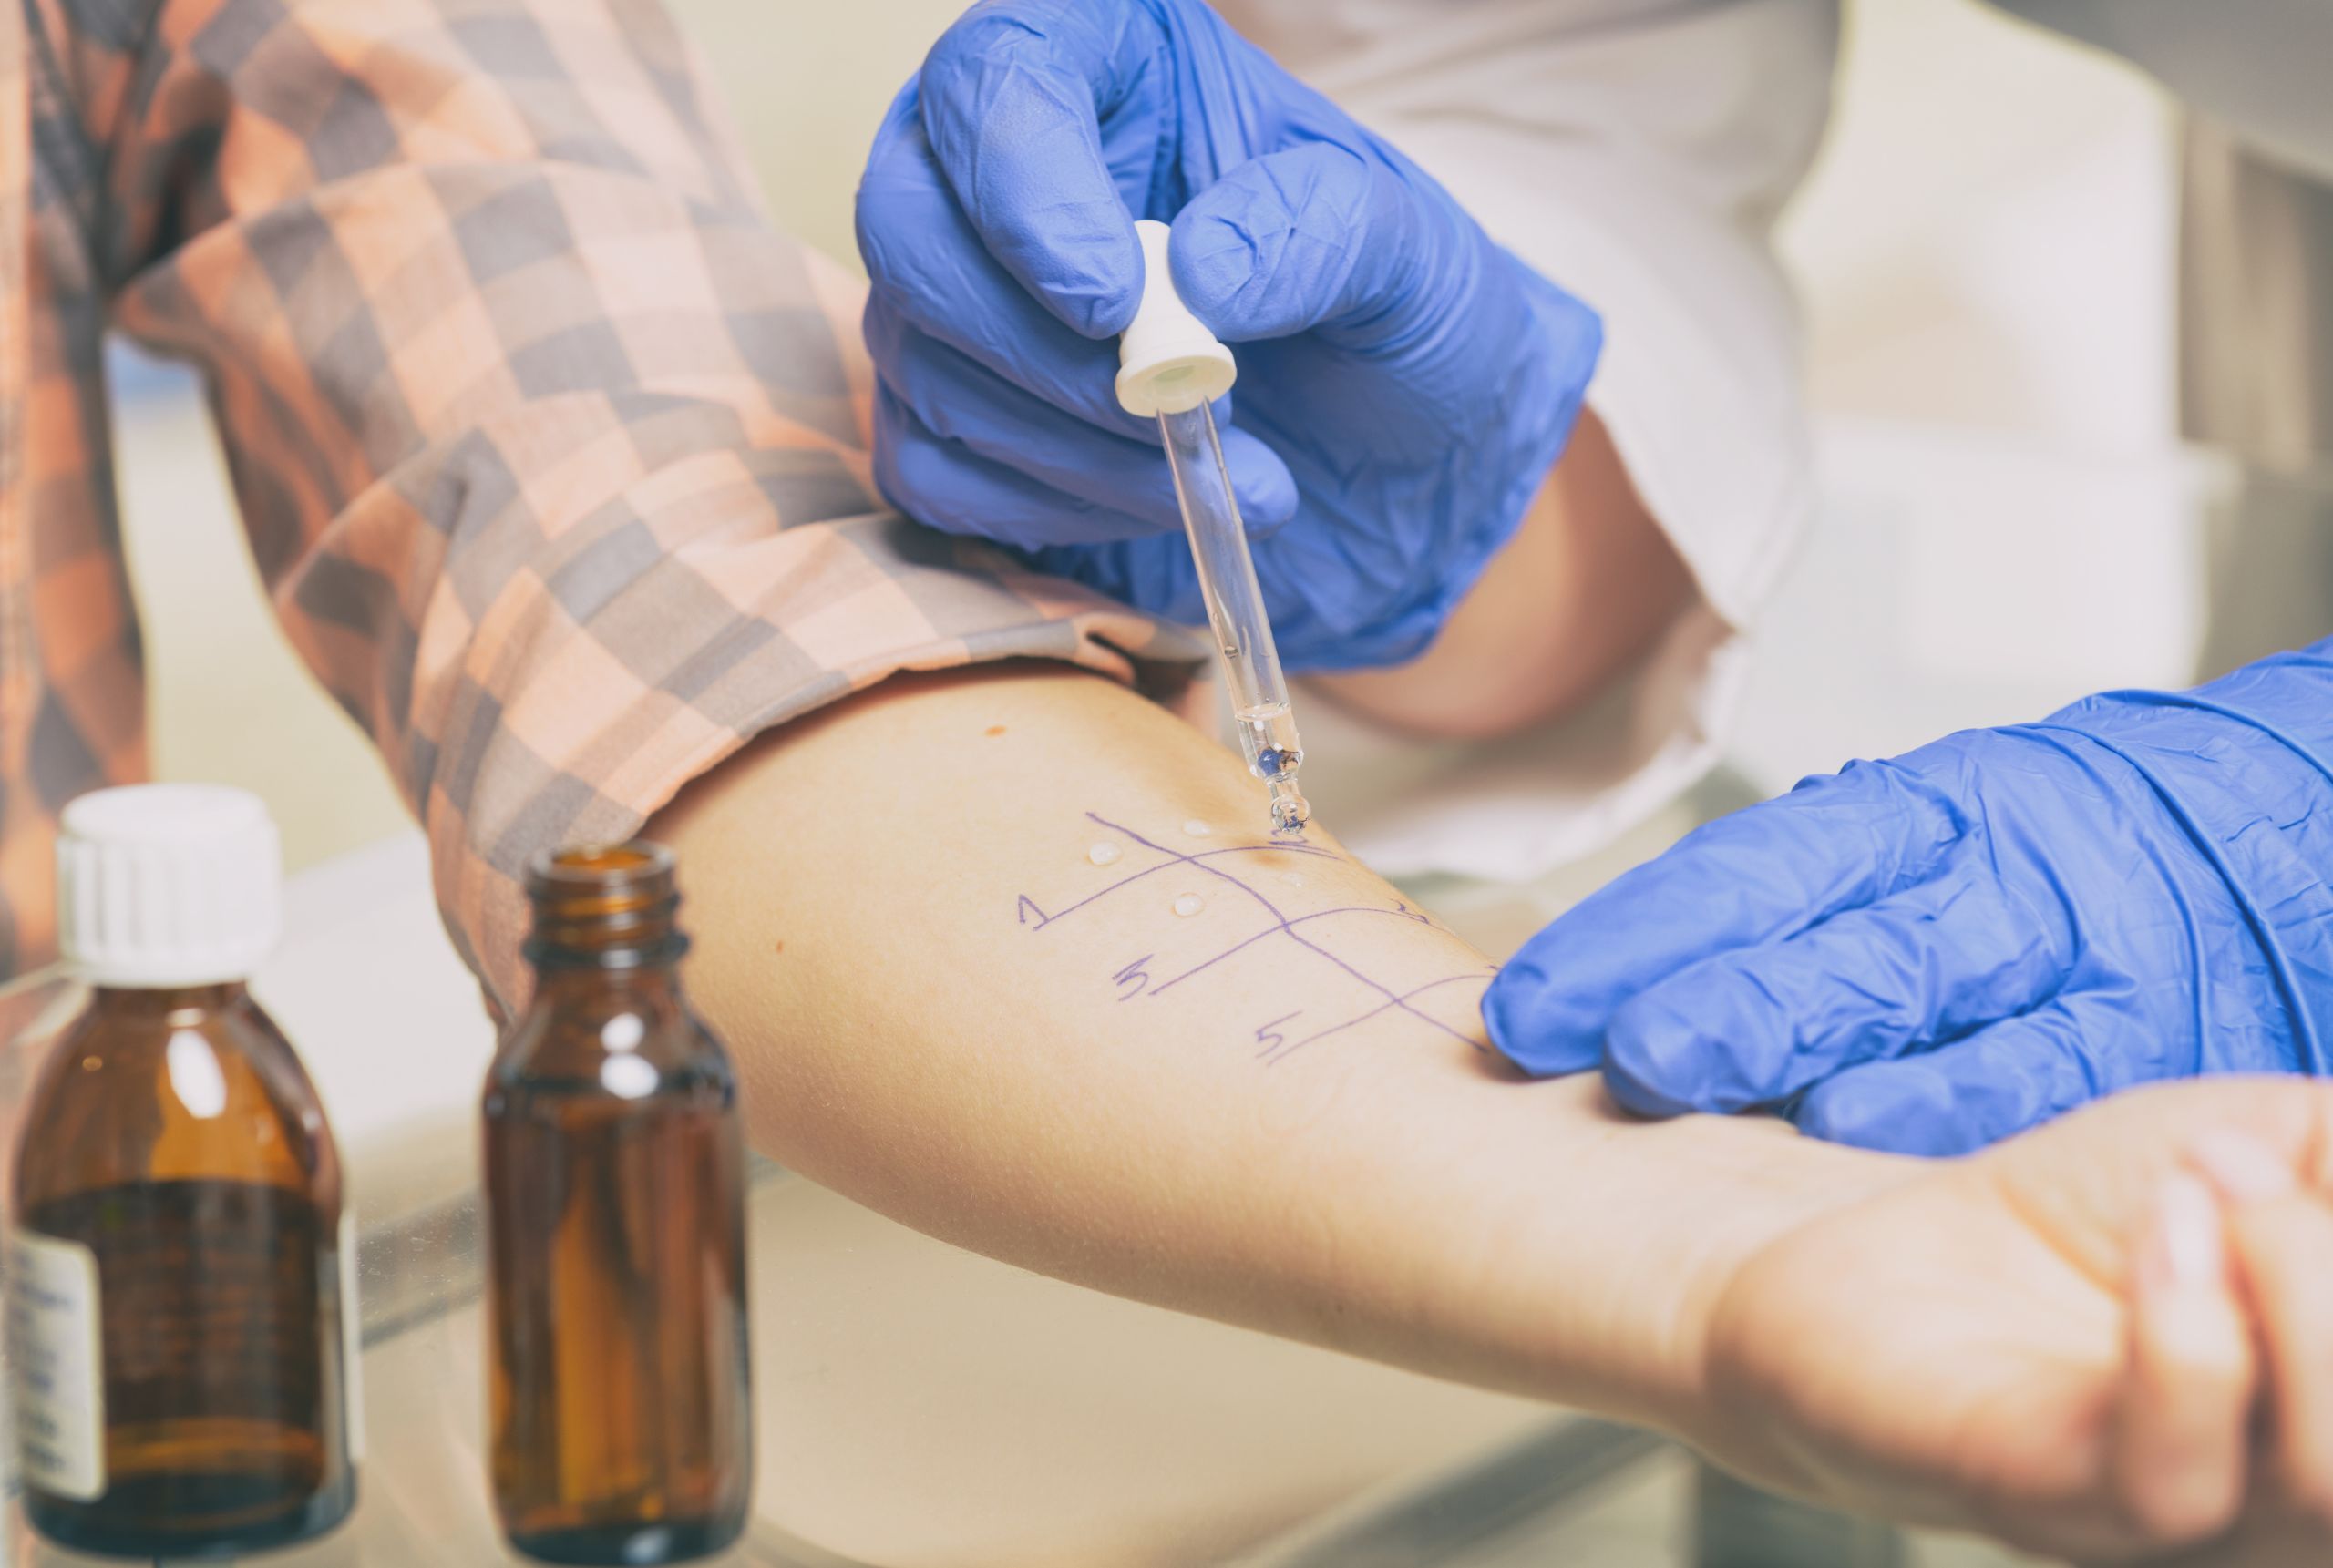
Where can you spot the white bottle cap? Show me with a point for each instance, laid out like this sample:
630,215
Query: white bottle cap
167,885
1168,362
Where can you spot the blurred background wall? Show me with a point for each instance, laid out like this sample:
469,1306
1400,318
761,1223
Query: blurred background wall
1986,251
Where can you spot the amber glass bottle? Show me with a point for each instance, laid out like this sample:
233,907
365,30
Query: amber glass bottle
619,1387
178,1312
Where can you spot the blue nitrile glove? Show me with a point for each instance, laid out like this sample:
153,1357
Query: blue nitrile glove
1930,953
1404,383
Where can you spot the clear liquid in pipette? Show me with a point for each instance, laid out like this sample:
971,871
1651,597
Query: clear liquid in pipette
1268,736
1235,610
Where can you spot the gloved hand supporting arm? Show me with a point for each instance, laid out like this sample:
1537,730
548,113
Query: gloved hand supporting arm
1932,952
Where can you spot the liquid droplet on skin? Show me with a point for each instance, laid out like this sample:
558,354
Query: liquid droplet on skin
1188,904
1197,828
1293,880
1102,853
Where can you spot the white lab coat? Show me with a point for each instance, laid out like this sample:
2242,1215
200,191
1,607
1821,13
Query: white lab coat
1637,152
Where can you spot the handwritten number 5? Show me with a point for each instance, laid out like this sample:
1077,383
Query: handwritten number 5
1268,1035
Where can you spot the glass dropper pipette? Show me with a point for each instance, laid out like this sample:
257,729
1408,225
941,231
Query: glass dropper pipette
1172,368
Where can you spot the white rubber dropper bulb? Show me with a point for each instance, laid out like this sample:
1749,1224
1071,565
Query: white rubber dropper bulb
1167,361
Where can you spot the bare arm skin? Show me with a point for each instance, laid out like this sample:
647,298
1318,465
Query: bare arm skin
1205,1110
1581,591
939,925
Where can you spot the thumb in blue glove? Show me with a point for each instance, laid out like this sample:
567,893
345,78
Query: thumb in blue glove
1404,383
1929,953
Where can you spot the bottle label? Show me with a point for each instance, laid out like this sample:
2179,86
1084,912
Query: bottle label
56,1370
352,1338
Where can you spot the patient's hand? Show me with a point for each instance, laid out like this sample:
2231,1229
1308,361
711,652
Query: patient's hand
2064,1341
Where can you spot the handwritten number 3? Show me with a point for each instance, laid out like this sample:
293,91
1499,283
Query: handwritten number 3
1134,975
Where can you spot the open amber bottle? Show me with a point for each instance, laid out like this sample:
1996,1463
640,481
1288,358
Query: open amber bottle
620,1401
179,1314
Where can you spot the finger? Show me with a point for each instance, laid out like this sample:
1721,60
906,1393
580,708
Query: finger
2000,1080
2181,1445
1295,240
960,401
1321,237
948,486
2283,1241
1834,842
1361,249
1011,100
926,263
1756,1025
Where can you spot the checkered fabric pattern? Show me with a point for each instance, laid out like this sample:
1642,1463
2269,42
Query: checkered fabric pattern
553,455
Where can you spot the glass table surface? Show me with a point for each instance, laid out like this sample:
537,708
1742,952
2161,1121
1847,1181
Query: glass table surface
917,1404
920,1405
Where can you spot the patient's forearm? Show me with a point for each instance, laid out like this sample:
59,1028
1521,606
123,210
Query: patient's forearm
1586,585
1008,955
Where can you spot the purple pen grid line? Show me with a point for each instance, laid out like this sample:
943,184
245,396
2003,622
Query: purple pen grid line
1277,1047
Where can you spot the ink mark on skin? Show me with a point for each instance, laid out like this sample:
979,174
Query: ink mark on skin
1287,925
1268,1035
1391,1002
1277,1046
1168,864
1133,975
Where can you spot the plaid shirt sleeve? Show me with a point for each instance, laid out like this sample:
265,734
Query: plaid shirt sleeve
552,453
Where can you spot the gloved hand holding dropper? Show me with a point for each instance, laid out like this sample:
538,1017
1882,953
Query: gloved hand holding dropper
1405,385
